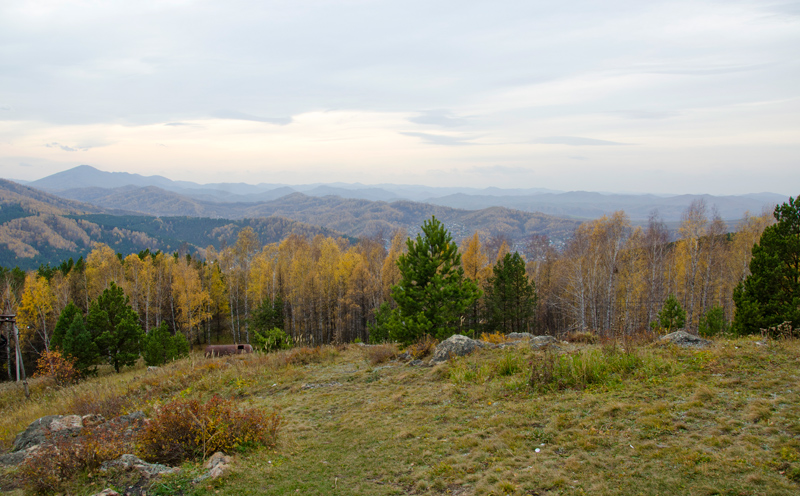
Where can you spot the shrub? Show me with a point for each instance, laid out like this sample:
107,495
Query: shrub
109,405
672,315
57,462
494,337
423,347
584,337
188,429
57,367
380,353
271,339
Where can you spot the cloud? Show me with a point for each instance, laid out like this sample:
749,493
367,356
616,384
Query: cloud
574,141
25,164
177,124
63,147
438,139
644,114
241,116
439,118
492,170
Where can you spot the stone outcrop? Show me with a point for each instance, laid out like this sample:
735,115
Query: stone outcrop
456,345
519,335
217,465
683,338
129,462
543,341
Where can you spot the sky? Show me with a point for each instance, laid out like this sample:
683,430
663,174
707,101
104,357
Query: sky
622,96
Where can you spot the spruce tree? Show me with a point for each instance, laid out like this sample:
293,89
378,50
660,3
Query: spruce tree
78,343
114,326
160,347
510,296
433,293
672,315
64,321
770,295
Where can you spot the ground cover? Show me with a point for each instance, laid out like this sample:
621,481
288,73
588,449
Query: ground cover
622,419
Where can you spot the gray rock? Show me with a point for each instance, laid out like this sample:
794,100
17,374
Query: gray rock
454,346
416,363
38,431
542,341
683,338
13,458
130,462
519,335
217,465
107,492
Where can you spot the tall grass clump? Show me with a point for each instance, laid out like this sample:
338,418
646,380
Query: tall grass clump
606,365
379,353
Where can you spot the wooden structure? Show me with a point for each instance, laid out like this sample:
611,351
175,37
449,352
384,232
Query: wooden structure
12,319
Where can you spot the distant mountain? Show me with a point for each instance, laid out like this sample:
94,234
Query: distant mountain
587,205
354,217
39,228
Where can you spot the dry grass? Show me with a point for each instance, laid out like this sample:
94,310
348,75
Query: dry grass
380,353
720,421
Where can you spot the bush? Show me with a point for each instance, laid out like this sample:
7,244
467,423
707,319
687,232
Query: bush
423,347
380,353
57,367
584,337
672,316
494,337
188,429
271,339
57,462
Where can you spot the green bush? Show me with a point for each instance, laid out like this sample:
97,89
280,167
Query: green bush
272,340
672,316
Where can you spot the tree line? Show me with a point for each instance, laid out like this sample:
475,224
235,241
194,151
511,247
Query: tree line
610,277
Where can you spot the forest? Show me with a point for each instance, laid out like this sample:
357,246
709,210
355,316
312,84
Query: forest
610,278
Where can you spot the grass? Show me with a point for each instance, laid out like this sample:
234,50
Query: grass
644,420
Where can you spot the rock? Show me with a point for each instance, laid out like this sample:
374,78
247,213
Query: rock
519,335
92,420
14,458
416,363
39,429
130,462
216,465
218,458
683,338
107,492
152,368
456,345
542,341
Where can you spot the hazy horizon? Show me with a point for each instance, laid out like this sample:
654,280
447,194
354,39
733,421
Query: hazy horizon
661,97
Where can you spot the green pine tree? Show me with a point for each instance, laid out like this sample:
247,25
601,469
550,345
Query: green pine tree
713,323
160,347
770,295
672,316
63,323
433,293
510,296
114,326
78,343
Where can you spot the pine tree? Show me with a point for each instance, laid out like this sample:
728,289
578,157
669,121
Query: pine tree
672,315
115,327
770,295
433,293
78,343
160,347
510,296
64,322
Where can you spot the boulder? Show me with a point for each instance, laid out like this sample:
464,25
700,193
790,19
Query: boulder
216,465
683,338
542,341
107,492
38,431
519,335
130,462
456,345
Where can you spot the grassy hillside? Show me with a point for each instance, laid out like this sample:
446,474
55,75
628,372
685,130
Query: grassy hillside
665,421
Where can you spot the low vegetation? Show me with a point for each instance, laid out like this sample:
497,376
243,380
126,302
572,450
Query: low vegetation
608,418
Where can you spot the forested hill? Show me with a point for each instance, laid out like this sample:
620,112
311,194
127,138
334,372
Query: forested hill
38,228
354,217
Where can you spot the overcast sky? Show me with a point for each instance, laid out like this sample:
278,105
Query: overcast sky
624,96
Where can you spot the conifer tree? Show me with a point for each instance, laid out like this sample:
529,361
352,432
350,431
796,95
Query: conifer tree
115,327
672,315
510,296
78,343
770,295
433,293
